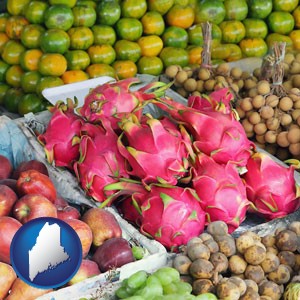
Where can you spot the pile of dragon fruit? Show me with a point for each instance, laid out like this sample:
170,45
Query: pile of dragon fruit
171,174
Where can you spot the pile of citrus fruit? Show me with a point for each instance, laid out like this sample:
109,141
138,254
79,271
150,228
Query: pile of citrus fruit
55,42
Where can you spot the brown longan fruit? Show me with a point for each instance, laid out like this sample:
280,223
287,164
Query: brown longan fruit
190,84
260,138
294,135
252,92
182,92
294,149
181,77
272,100
289,57
296,104
200,86
298,120
254,117
272,123
236,72
223,68
257,72
286,119
295,113
260,128
295,67
296,80
249,83
209,85
245,75
263,87
271,136
285,103
246,104
294,94
287,85
258,101
282,140
266,112
203,74
248,127
240,112
172,70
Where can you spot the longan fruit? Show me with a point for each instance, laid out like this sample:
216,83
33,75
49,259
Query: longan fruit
272,123
282,139
254,117
272,100
286,119
240,112
223,68
252,92
295,67
249,83
296,104
200,86
196,93
235,87
294,94
287,85
246,104
248,127
266,112
181,77
294,149
245,75
257,72
172,70
258,101
271,136
203,74
295,113
236,72
182,92
298,120
190,85
294,135
209,85
289,57
286,103
260,128
263,87
260,138
189,71
296,80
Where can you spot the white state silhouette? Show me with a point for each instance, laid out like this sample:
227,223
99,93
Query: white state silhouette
47,253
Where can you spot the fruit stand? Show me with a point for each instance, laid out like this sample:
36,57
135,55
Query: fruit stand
165,133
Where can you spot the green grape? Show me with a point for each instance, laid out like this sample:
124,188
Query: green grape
121,293
150,291
184,288
206,296
152,280
170,288
166,275
173,297
135,298
138,252
137,279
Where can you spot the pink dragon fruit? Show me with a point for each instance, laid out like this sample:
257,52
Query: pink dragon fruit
116,100
171,215
221,191
62,136
217,134
219,100
100,162
271,186
155,150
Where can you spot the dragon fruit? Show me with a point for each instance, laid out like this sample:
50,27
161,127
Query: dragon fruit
217,134
116,100
219,100
271,186
221,191
62,136
155,149
171,215
100,162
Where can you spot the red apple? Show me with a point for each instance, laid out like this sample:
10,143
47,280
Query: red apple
87,269
7,277
34,182
12,183
8,227
113,253
6,167
33,206
21,290
30,165
7,199
103,223
84,232
60,202
68,212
